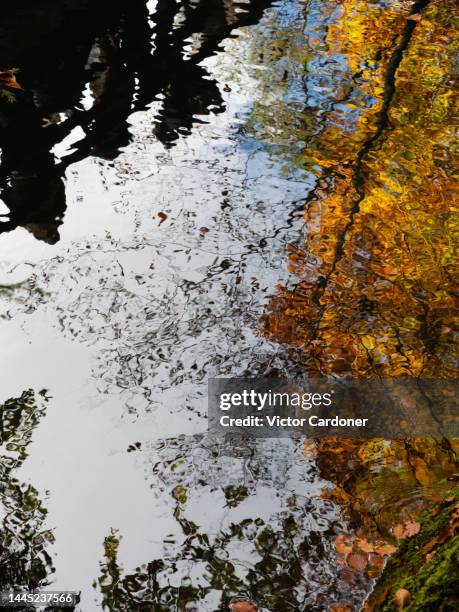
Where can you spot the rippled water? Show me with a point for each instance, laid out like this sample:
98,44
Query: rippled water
167,257
163,268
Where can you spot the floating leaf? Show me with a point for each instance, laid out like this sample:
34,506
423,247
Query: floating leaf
365,546
408,529
310,449
343,544
357,561
386,549
341,607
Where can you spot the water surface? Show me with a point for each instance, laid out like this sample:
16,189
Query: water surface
148,246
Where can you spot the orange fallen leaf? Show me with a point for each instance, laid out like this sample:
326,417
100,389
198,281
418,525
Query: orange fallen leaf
242,606
408,529
412,528
385,549
415,17
428,548
310,449
357,561
341,607
343,544
402,598
445,534
8,79
348,575
365,546
376,563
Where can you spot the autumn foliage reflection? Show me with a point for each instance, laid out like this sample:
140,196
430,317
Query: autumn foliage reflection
376,293
376,275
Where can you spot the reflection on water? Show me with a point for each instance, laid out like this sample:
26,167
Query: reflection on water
376,288
252,525
169,258
112,60
24,561
382,482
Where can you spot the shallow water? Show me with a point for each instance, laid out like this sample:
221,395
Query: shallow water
168,256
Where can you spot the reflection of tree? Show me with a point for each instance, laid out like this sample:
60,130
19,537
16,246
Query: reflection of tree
125,63
376,293
281,563
376,288
388,482
273,582
24,562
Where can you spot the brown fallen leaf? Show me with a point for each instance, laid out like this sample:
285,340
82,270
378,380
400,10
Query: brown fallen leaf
365,546
372,603
408,529
343,544
162,216
358,561
428,548
411,528
310,449
402,598
415,17
385,549
376,563
348,575
8,79
341,607
242,606
445,534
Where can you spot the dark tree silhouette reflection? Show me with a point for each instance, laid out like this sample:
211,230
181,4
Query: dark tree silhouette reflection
277,559
127,58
